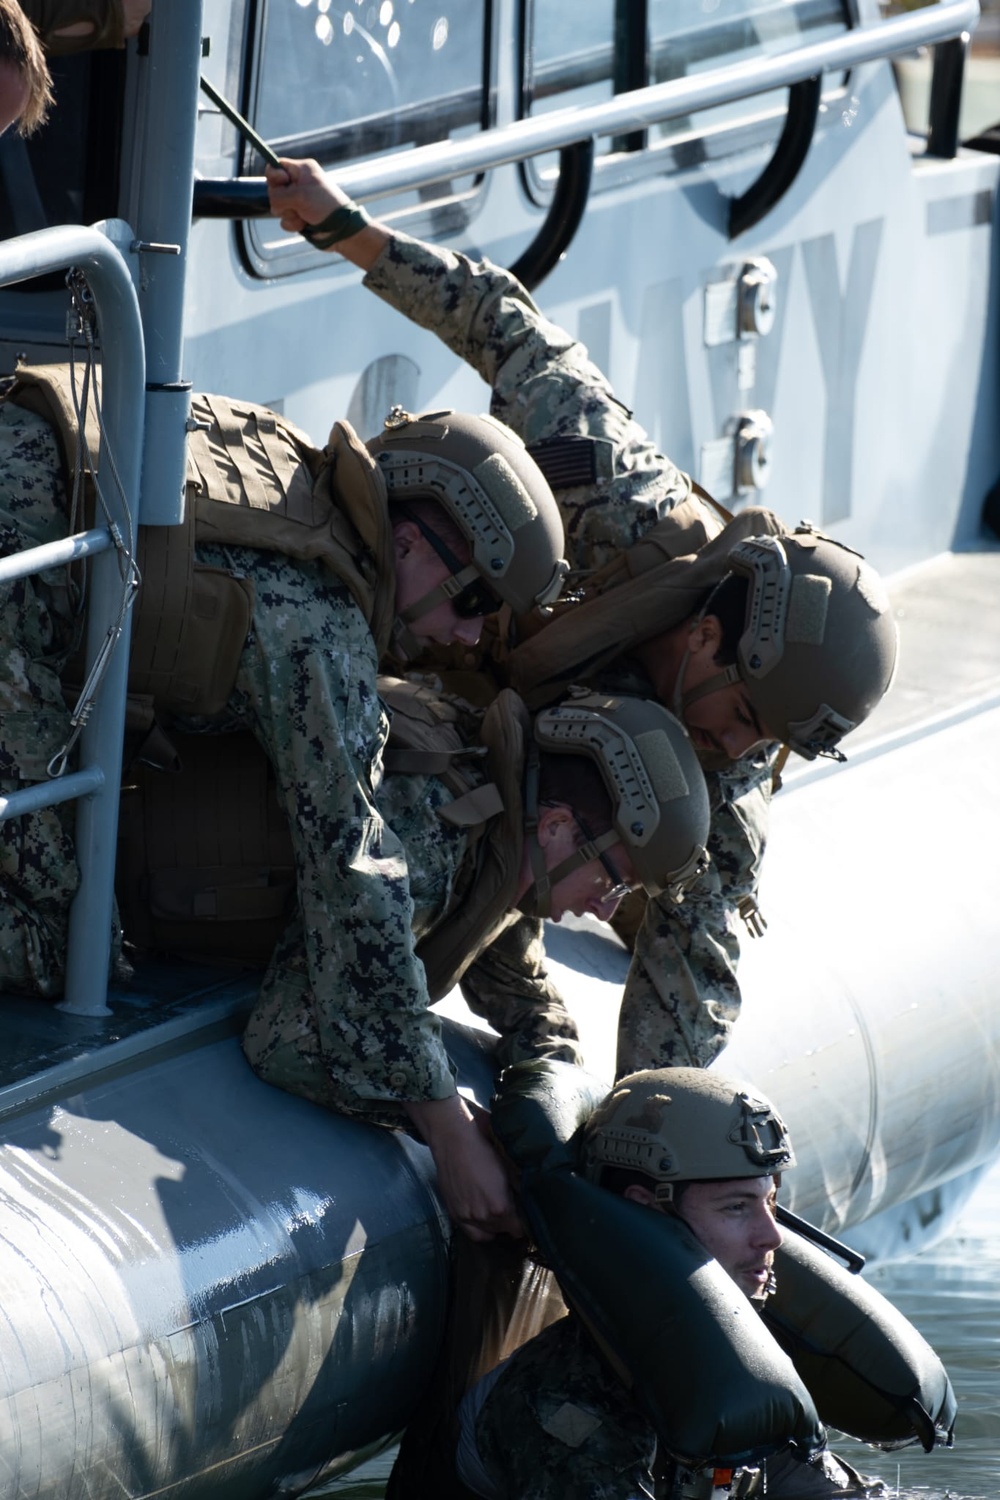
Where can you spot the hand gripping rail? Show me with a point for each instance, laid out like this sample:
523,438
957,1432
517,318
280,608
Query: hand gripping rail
98,780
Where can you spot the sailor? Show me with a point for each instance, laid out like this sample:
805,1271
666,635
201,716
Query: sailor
593,798
269,607
699,633
554,1420
65,26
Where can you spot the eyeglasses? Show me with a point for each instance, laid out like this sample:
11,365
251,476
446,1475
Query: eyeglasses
477,597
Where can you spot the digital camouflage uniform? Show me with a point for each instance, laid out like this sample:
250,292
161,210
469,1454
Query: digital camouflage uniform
344,975
558,1425
325,1051
38,869
681,996
343,1013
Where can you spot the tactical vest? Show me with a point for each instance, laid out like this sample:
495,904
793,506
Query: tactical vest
206,869
423,740
656,584
254,480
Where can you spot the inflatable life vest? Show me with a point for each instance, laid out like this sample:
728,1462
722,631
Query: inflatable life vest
722,1385
253,480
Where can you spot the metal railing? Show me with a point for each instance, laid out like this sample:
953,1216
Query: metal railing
641,108
97,782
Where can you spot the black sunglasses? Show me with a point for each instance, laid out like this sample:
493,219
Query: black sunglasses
477,597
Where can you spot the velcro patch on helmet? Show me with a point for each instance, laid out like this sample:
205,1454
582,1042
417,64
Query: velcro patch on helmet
669,781
871,588
571,1424
807,609
506,491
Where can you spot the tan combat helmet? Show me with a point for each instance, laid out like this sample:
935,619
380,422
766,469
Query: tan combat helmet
659,801
482,475
818,652
685,1125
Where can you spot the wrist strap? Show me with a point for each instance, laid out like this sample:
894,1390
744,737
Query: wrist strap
339,225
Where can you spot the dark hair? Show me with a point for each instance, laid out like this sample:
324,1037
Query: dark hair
434,516
617,1179
575,782
728,603
20,47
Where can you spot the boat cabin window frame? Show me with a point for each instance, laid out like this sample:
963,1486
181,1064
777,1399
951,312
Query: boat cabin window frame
719,134
440,211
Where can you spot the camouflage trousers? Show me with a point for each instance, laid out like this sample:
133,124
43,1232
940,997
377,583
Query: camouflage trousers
554,1422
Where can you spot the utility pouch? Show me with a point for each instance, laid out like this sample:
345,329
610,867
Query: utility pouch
205,865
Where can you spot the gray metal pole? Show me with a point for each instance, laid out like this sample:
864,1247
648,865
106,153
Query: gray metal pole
162,223
55,554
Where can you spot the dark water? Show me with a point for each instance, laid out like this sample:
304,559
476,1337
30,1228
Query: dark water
951,1293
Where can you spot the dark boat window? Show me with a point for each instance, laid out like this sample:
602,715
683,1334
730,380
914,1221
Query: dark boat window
346,80
979,118
67,172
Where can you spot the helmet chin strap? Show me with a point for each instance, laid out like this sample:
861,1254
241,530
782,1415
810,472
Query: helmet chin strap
405,644
537,899
713,684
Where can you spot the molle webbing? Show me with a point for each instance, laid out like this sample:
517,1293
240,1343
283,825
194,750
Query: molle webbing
482,911
205,867
189,623
254,480
650,589
257,482
424,740
47,391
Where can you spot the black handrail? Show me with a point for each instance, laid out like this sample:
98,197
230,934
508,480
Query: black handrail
946,96
569,202
231,198
786,163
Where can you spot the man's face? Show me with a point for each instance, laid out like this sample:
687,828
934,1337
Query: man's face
735,1222
13,95
724,724
418,570
594,889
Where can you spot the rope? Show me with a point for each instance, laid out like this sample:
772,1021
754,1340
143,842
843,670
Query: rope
82,323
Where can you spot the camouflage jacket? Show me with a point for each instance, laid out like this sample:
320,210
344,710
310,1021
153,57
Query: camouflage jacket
682,996
558,1425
